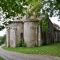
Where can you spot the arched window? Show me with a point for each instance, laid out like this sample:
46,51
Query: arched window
21,35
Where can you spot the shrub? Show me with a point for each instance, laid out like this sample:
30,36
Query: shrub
21,43
2,39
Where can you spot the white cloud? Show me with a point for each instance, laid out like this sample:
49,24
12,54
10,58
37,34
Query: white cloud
3,32
55,20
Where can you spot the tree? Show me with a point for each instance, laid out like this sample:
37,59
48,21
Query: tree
13,7
3,20
31,7
34,8
51,7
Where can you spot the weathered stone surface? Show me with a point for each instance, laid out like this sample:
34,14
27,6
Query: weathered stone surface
30,33
8,38
16,28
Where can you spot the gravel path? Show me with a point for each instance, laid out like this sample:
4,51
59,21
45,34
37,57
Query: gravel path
19,56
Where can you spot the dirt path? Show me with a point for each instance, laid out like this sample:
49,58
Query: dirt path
19,56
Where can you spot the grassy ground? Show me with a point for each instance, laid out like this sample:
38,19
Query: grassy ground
53,49
1,58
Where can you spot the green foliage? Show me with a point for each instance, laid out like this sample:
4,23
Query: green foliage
48,7
44,24
5,23
2,39
51,7
21,43
13,7
53,50
1,58
32,7
2,27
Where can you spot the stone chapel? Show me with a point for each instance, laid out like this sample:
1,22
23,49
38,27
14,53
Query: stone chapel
27,30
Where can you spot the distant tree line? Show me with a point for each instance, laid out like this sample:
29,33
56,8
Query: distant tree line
2,39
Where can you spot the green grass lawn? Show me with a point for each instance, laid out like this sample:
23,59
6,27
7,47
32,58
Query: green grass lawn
53,50
1,58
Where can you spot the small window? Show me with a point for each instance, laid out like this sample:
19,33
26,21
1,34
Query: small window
21,35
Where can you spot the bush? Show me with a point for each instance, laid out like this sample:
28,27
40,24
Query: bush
2,39
21,43
1,58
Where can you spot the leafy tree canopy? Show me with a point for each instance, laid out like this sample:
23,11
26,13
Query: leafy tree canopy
31,7
14,7
51,7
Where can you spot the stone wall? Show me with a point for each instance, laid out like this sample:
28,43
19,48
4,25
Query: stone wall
28,31
31,34
8,37
16,28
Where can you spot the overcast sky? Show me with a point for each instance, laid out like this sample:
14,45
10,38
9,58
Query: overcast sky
55,20
3,32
